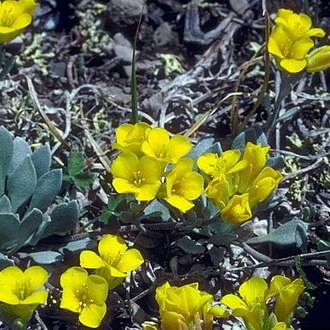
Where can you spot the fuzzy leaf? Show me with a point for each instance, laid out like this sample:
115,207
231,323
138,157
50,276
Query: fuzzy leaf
29,225
20,151
252,134
291,233
9,224
63,218
41,159
5,205
22,183
48,186
6,153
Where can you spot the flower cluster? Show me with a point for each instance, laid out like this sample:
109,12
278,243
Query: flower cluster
290,43
187,307
86,294
256,296
14,17
237,185
22,292
151,165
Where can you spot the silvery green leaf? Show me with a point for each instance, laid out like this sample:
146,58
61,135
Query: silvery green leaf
6,153
157,209
190,246
203,145
291,233
41,159
5,261
252,134
276,162
43,257
63,219
9,224
29,225
20,151
22,183
5,205
48,186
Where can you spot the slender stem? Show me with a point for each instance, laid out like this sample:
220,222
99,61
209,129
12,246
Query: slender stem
135,114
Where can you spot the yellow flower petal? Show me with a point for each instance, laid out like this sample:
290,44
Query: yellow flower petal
208,163
73,277
125,165
180,203
300,48
92,315
253,291
89,259
316,32
234,302
110,247
130,260
237,210
178,147
292,65
97,289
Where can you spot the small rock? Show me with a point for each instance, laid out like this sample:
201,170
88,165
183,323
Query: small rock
164,35
125,12
123,48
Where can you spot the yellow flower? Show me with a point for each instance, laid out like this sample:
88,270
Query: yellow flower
167,150
263,185
287,295
218,191
185,307
290,42
22,290
318,59
280,326
237,209
140,177
129,138
255,156
251,307
183,185
84,294
227,163
114,260
14,17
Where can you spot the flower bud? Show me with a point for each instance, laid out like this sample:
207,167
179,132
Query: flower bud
318,59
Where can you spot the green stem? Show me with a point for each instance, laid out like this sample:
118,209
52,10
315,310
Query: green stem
135,113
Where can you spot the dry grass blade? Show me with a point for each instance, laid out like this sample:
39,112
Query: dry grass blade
48,122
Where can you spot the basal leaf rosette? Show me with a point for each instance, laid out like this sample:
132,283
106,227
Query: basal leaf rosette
114,260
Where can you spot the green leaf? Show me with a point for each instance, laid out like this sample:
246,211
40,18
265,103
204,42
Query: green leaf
6,153
5,205
5,261
41,159
292,233
157,209
9,224
252,134
43,257
83,180
190,246
22,183
203,146
29,225
48,186
63,219
76,163
7,67
20,151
